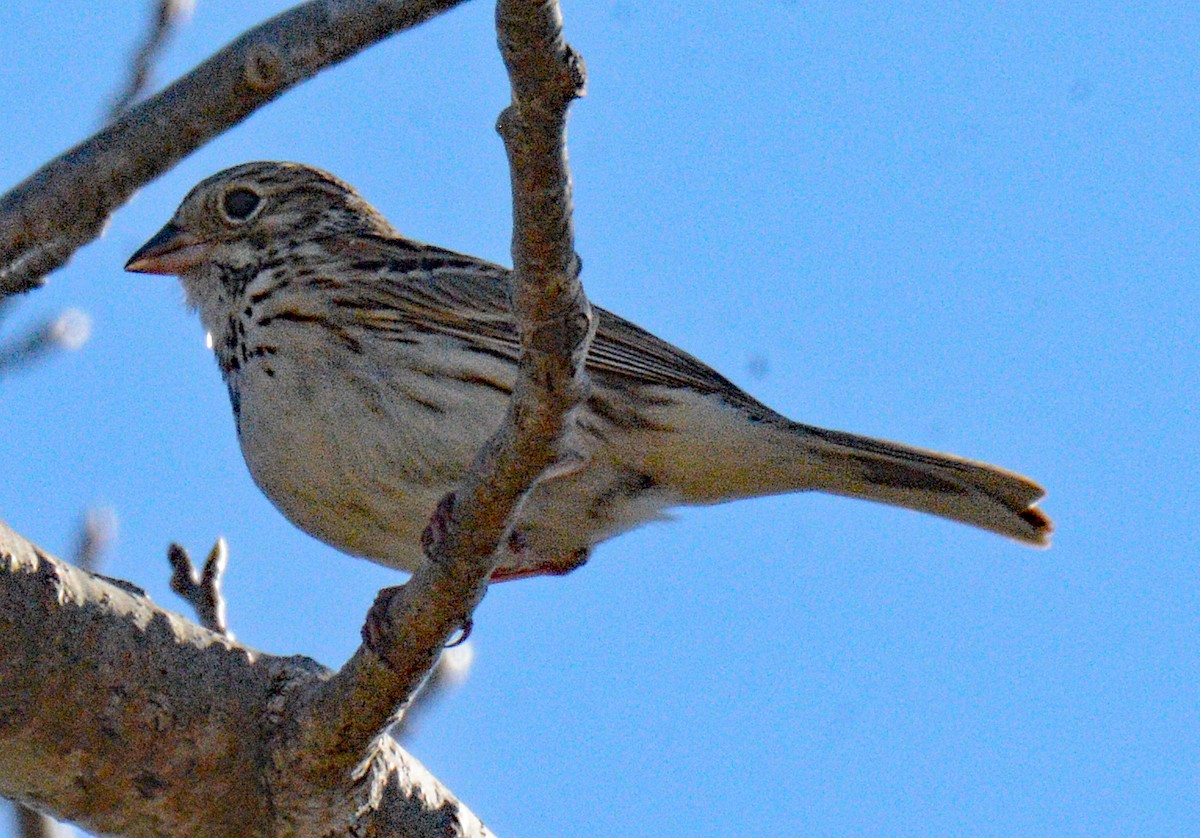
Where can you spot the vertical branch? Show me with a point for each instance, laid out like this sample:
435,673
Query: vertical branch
554,316
546,74
551,311
409,625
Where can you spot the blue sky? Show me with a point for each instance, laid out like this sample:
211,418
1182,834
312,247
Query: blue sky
973,229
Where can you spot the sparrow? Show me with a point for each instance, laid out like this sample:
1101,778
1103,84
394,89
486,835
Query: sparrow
365,370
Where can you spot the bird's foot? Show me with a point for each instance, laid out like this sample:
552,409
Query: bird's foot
378,626
522,562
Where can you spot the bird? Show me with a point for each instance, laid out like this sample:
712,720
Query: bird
365,369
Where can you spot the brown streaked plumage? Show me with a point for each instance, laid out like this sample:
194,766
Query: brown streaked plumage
365,369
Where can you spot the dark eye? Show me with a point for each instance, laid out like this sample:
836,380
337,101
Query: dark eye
240,203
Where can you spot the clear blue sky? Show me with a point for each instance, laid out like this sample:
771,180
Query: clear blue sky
969,228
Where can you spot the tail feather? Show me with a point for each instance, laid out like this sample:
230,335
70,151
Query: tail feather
973,493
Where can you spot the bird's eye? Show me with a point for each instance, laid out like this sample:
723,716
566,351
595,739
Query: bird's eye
240,203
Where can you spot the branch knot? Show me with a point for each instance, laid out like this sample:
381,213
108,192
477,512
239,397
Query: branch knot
263,70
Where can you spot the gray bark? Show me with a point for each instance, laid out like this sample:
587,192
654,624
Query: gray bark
129,719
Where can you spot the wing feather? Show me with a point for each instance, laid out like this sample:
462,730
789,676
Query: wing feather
425,287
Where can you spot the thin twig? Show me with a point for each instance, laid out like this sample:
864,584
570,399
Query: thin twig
168,14
201,589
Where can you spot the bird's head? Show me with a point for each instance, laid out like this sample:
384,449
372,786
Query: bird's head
247,218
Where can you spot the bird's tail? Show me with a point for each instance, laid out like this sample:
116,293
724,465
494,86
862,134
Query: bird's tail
974,493
713,454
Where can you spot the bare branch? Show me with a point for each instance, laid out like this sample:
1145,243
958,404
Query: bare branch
408,626
163,717
168,14
66,203
202,589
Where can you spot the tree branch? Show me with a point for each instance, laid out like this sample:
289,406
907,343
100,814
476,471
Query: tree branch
167,15
128,719
409,625
65,204
201,587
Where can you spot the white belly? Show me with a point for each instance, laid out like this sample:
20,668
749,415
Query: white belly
350,459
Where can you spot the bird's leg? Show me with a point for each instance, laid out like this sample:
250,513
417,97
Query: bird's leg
523,562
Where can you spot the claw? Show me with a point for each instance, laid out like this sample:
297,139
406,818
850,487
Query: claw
377,625
464,633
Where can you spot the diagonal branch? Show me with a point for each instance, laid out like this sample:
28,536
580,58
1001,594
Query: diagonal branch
65,204
409,625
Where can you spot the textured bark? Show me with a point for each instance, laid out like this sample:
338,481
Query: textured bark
410,624
128,719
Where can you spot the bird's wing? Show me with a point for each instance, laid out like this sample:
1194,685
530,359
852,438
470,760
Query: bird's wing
426,287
